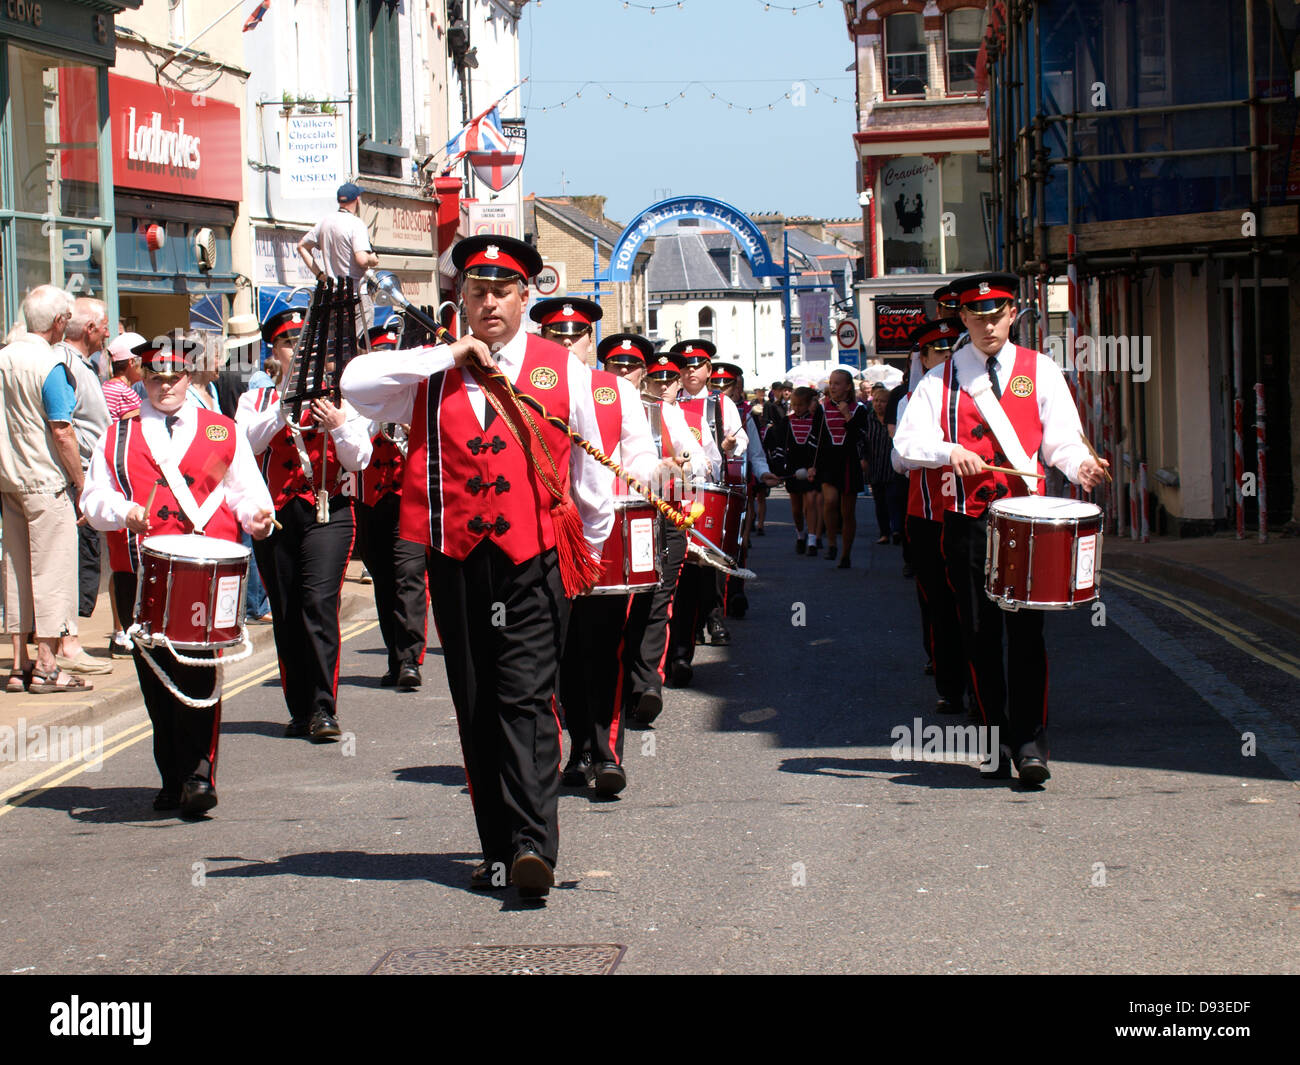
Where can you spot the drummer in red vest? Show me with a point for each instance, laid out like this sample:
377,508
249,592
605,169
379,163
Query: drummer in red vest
926,503
568,320
304,562
946,425
592,671
515,521
190,468
396,566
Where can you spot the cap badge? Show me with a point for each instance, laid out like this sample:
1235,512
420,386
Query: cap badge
491,252
567,310
627,346
296,319
984,288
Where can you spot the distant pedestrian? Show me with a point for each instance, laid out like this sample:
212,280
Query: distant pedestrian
120,397
343,242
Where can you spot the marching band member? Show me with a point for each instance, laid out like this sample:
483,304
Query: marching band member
303,562
592,669
568,320
839,472
396,566
650,618
926,504
174,459
951,421
489,492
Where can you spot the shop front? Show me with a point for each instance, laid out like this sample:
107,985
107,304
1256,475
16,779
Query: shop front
56,196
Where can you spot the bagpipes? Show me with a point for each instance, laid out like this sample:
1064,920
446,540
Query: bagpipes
327,343
517,409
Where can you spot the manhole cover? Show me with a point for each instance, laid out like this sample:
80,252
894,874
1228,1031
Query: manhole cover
582,959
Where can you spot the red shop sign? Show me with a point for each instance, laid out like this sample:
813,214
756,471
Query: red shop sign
164,140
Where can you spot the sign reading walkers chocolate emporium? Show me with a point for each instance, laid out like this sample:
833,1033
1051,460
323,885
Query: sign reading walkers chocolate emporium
750,237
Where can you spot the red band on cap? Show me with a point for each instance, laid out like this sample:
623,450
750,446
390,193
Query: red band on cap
565,313
495,255
986,290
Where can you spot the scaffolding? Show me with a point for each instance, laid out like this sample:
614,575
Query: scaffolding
1119,177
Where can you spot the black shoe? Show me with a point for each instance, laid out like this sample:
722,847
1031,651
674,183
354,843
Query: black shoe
167,799
812,550
800,546
898,538
680,673
324,728
577,771
1003,770
531,875
489,876
1032,770
845,563
609,778
389,679
651,704
297,728
409,678
718,634
198,796
948,706
831,552
737,606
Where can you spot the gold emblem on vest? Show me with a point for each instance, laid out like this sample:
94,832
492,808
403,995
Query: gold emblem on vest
544,377
604,395
696,433
218,433
1021,386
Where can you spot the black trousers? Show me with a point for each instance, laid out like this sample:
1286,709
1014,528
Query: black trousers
1018,707
398,569
502,629
943,633
592,675
88,550
648,622
184,740
880,497
697,594
303,565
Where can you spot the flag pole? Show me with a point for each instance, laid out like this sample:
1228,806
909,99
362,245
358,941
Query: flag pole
186,46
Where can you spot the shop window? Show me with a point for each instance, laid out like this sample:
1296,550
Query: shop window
905,61
965,243
964,30
379,72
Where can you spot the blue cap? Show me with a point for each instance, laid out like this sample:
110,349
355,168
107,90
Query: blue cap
348,192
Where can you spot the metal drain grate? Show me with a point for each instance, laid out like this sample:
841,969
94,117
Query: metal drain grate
580,959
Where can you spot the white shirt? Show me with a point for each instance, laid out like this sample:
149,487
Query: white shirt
919,439
636,448
106,508
703,454
259,427
338,237
382,386
730,420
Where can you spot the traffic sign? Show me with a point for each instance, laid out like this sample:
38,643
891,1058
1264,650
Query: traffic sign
847,333
548,281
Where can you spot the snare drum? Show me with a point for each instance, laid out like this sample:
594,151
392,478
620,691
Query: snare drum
719,512
1043,553
630,561
190,589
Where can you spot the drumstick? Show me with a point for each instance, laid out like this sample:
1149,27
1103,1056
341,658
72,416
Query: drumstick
148,507
1093,452
1011,472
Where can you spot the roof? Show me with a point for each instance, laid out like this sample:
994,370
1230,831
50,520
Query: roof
601,229
687,261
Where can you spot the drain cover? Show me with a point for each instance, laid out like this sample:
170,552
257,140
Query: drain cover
580,959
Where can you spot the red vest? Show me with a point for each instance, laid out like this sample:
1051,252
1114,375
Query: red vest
609,411
282,467
135,473
836,425
962,424
384,474
464,482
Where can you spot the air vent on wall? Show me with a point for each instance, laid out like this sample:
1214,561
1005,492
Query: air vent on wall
205,249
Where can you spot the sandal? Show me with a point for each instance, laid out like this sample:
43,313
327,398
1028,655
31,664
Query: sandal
48,683
20,680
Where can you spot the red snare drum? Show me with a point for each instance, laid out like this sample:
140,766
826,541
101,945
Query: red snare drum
190,589
1043,553
630,561
722,515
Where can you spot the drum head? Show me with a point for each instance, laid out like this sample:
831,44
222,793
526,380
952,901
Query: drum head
191,545
1045,508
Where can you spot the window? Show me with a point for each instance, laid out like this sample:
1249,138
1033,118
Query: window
706,323
379,72
964,34
176,21
905,62
653,315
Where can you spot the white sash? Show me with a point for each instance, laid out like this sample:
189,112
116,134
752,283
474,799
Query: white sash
198,515
990,408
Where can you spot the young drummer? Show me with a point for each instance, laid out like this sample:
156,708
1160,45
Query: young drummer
177,468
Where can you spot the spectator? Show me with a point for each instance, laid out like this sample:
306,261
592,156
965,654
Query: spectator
82,342
875,462
38,467
119,395
344,245
242,361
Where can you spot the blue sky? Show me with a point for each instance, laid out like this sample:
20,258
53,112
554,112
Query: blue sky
793,159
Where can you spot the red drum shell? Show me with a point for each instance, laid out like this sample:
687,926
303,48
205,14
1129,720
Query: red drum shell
630,561
191,590
1043,553
724,511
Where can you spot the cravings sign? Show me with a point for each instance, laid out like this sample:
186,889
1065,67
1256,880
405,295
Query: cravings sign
896,317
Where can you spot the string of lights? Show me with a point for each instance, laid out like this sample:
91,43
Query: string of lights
601,91
794,9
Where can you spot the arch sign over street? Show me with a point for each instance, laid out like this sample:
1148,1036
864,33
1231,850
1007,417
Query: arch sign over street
752,241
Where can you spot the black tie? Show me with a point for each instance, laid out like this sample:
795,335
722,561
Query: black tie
170,421
992,367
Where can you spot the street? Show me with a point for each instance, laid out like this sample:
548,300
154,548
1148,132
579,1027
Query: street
766,827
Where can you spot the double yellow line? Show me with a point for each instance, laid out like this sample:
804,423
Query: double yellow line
1242,639
71,767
